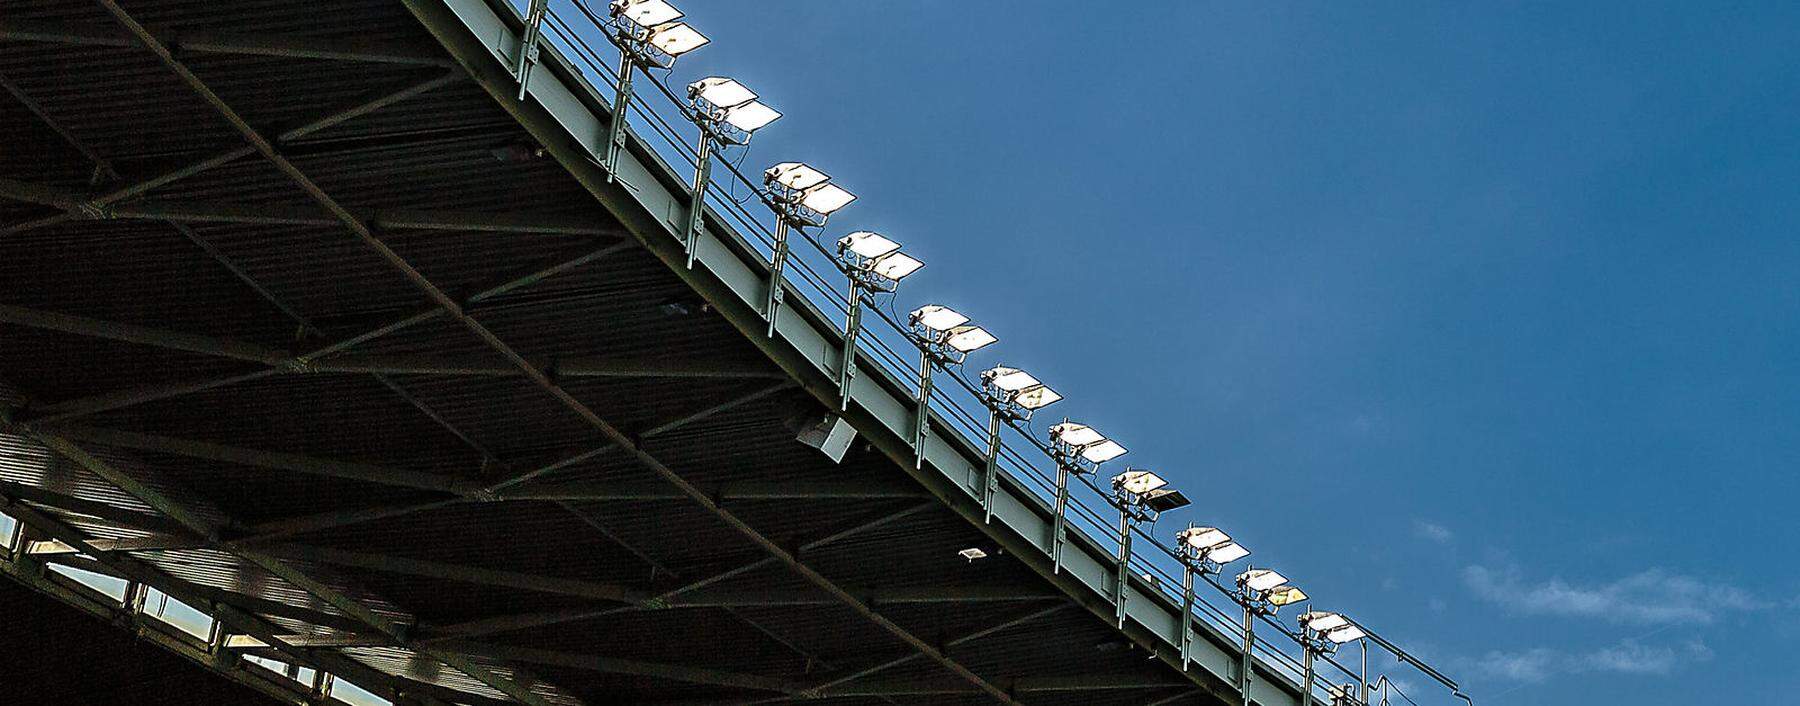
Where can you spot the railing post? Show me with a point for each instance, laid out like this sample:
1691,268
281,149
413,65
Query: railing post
528,43
852,327
616,134
922,420
777,263
991,477
697,208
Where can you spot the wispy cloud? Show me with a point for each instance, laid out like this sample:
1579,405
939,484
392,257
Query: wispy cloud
1539,664
1433,531
1652,597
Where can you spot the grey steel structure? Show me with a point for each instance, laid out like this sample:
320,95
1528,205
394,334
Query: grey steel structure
310,321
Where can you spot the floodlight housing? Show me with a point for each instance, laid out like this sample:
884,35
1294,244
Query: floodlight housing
1260,579
751,116
1285,595
645,13
1164,500
676,38
1202,538
895,266
1138,481
1226,553
1036,397
1103,451
867,244
1347,633
826,198
1008,379
968,338
1321,621
721,92
794,175
936,317
1076,435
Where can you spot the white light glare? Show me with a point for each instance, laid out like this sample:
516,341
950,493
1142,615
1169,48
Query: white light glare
967,339
795,175
646,13
1227,553
867,244
1320,621
1103,451
895,266
751,116
1346,634
1261,579
1035,397
1138,482
1076,435
1284,595
938,318
721,91
1009,379
1203,537
826,198
676,38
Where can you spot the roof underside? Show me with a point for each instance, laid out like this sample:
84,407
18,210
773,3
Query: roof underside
157,354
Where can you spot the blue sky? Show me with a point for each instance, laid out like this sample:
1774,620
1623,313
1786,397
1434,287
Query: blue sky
1481,320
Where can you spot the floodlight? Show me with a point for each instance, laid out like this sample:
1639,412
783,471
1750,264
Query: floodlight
795,175
1077,435
751,116
972,553
1284,595
826,198
676,38
1226,553
1102,452
1036,397
1008,379
721,91
1321,621
895,266
1261,579
1164,500
938,318
1138,482
867,244
1202,538
969,338
1347,633
645,13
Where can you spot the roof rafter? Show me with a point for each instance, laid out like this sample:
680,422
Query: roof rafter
206,42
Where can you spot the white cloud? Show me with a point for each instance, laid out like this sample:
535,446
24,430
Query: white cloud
1651,597
1539,664
1433,531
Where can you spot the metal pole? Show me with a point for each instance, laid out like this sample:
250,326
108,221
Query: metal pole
1187,615
615,129
1362,679
852,327
1306,692
1056,527
697,207
528,44
1124,570
992,476
921,421
777,262
1245,666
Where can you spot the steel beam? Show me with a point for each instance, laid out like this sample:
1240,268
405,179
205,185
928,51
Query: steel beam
613,665
825,687
1026,684
388,563
606,491
203,42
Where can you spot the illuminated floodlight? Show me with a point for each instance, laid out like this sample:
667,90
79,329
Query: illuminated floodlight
1036,397
1103,451
895,266
1163,500
1260,579
1227,553
676,38
1202,538
1284,595
795,175
937,318
1321,621
645,13
826,198
1076,435
1348,633
1008,379
721,99
867,244
1138,482
751,116
969,338
721,92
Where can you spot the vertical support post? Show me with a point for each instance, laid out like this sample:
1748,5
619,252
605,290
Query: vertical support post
1187,617
528,43
852,327
1056,526
1306,690
621,105
697,207
922,420
777,262
991,478
1248,663
1362,678
1123,573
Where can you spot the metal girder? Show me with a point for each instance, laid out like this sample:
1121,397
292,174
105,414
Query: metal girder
102,168
613,665
204,42
824,687
388,563
263,214
93,508
578,491
1024,685
371,103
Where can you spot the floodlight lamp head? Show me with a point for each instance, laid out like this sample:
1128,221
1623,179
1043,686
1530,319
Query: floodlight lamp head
1260,580
1137,481
644,13
934,319
673,39
803,195
651,31
1284,595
